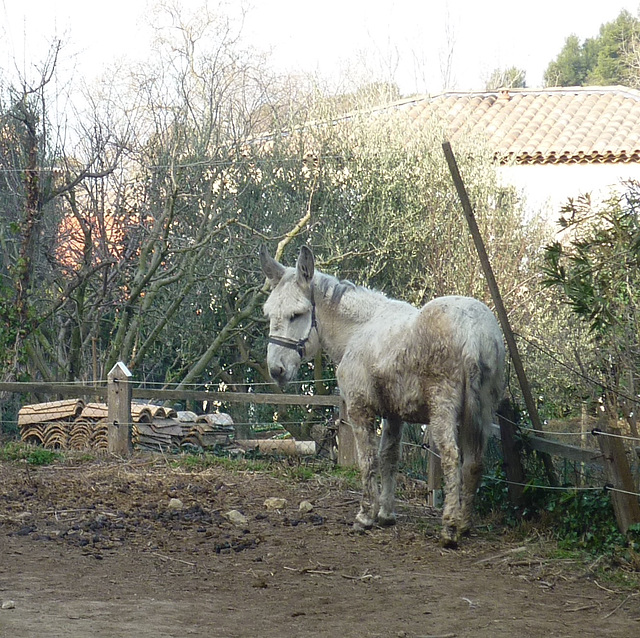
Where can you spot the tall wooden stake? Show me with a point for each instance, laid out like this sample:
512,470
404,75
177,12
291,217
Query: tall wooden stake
497,300
119,410
511,453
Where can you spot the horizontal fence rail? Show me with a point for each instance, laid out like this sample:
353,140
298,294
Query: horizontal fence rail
548,446
163,395
571,452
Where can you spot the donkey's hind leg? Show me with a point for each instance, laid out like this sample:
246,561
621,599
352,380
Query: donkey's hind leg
365,438
443,425
472,443
389,458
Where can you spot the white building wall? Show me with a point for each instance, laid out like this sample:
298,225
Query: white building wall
547,187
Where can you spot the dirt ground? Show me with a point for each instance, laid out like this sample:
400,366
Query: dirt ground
99,549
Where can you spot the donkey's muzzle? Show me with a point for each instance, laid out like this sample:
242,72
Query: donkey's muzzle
279,375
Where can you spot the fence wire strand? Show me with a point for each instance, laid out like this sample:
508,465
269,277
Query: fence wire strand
599,432
533,486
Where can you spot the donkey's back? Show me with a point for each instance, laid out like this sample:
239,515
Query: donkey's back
452,326
461,345
407,359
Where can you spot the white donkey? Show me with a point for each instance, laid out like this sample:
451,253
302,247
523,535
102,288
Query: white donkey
442,365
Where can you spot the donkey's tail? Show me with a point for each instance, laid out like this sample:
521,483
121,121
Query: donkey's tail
477,410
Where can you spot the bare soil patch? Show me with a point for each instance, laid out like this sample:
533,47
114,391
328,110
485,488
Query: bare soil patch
99,549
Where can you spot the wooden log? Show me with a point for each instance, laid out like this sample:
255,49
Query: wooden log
625,505
511,452
119,404
289,447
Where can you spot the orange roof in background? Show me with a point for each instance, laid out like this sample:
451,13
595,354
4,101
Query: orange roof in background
560,125
108,239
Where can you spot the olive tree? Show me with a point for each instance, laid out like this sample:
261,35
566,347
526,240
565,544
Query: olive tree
596,269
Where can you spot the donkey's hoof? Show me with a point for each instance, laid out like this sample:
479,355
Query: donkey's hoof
449,537
362,523
387,520
359,528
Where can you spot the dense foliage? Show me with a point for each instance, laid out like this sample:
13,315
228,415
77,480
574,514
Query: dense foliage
596,267
575,519
135,236
609,58
138,242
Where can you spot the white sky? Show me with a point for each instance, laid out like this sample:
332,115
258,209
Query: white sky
407,40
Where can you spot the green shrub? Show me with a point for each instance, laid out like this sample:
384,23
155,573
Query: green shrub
32,454
577,519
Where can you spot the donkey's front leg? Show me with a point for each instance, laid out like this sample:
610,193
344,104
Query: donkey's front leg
389,459
365,438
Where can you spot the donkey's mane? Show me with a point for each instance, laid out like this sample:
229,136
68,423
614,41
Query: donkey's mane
334,289
356,302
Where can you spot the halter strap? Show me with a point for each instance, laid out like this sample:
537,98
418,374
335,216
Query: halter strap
300,345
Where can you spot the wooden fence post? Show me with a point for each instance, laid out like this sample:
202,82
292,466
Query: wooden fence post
584,431
625,506
119,410
510,452
347,454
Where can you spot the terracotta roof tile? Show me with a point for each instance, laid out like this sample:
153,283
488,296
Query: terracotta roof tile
555,125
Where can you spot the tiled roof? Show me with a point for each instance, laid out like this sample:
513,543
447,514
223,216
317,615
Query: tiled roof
547,126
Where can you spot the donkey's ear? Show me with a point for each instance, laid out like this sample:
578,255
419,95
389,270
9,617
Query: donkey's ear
272,269
305,266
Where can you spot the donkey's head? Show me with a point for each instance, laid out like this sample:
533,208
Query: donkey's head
293,334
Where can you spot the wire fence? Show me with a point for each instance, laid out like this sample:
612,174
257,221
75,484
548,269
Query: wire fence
573,475
416,455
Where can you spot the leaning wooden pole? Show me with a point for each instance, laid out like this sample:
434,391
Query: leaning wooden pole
497,300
